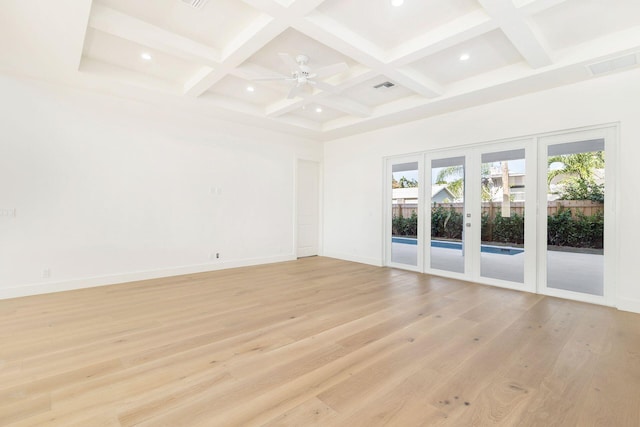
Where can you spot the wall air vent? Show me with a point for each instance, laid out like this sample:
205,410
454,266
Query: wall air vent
197,4
384,84
613,64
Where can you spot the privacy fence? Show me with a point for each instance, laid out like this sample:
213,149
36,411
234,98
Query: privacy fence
573,223
585,207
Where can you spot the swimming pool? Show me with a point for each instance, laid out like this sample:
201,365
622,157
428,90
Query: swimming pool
502,250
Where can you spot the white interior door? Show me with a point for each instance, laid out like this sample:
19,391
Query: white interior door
308,196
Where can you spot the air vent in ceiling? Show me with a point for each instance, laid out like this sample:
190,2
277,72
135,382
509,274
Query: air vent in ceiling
384,84
613,64
198,4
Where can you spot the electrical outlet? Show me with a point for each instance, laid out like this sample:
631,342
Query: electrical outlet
8,212
46,273
217,255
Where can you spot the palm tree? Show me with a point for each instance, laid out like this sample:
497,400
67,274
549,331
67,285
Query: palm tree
456,186
577,165
576,175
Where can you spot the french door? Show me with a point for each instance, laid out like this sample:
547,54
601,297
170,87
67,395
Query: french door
525,214
404,206
477,215
576,254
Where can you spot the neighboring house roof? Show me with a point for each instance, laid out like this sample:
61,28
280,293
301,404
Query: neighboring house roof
438,188
405,193
412,192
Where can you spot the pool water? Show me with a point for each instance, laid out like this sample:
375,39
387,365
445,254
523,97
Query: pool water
503,250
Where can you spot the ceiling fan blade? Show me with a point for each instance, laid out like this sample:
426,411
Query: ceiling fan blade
330,70
264,79
324,86
289,62
293,92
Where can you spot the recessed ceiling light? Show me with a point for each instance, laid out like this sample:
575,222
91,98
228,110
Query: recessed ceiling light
319,110
250,89
464,57
146,56
397,3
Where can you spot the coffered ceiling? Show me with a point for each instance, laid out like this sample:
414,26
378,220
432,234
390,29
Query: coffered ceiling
438,55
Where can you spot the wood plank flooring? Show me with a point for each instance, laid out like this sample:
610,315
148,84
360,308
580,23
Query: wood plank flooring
311,342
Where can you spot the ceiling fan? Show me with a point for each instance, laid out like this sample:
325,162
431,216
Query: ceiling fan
302,76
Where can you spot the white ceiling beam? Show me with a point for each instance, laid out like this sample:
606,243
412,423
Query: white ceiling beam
285,106
519,31
345,105
113,73
253,38
82,8
414,80
336,102
531,7
443,37
285,9
116,23
336,36
270,7
274,20
251,72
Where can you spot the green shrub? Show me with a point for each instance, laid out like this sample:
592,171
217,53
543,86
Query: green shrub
401,226
446,223
563,228
509,229
579,231
576,189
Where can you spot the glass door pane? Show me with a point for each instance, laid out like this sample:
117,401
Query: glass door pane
575,216
502,192
404,213
447,214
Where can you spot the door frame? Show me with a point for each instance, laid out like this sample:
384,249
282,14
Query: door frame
610,135
296,168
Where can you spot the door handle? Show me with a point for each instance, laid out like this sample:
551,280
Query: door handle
468,224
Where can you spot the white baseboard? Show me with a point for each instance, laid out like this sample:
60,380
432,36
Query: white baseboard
361,260
90,282
627,304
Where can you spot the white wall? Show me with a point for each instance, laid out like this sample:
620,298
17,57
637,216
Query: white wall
353,173
109,190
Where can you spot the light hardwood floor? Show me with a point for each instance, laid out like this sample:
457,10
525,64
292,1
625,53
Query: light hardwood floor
315,342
